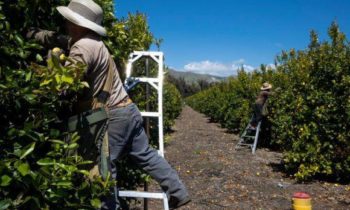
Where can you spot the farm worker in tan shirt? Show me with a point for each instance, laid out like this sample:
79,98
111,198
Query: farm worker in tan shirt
260,102
125,129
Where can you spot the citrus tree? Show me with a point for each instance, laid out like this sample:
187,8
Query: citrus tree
309,114
36,171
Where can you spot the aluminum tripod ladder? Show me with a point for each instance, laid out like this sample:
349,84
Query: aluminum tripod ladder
249,137
156,83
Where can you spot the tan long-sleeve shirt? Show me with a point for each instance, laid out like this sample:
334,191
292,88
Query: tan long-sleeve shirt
91,51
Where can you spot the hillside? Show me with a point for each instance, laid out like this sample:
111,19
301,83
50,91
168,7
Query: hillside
191,77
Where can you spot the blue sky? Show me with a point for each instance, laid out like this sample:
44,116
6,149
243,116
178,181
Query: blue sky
218,36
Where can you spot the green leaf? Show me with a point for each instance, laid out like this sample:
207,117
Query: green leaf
85,162
85,84
29,97
45,82
45,162
75,137
50,64
24,169
57,141
7,24
4,204
54,132
63,184
58,78
39,58
85,172
67,79
72,146
27,150
19,40
5,181
96,203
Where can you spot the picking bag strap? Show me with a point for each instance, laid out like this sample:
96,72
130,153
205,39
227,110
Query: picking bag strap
86,119
106,91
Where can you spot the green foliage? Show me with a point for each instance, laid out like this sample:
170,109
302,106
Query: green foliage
229,102
35,171
172,105
125,35
314,108
309,115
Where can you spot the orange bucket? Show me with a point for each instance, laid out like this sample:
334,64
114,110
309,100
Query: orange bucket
301,201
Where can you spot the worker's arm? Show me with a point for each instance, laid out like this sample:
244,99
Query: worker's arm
274,92
49,39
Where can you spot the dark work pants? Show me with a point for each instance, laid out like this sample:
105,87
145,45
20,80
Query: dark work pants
127,135
257,115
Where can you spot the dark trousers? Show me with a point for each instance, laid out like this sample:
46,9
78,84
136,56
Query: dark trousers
127,135
257,115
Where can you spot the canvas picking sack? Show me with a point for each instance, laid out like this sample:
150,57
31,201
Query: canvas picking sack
92,127
93,144
265,111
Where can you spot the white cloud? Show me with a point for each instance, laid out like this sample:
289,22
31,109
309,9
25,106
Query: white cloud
271,66
205,66
217,68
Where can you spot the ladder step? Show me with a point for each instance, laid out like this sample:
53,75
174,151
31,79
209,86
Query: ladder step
247,140
136,194
248,136
150,114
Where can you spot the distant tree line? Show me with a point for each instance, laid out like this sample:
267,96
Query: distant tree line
187,88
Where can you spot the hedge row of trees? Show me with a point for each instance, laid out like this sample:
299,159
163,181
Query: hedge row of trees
310,113
187,88
35,170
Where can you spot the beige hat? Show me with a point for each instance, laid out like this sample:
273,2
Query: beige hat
84,13
266,86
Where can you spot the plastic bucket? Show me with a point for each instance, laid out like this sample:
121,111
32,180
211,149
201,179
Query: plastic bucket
301,201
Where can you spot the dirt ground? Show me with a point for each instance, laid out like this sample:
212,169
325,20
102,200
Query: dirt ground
219,177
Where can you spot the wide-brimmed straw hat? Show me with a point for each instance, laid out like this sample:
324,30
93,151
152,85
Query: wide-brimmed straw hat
84,13
266,86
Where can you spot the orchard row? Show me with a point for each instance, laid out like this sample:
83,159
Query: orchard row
309,114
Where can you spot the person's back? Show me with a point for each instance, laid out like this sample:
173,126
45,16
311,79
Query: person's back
91,50
259,104
262,97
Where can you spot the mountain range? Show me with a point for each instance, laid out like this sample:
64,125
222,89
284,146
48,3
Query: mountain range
191,77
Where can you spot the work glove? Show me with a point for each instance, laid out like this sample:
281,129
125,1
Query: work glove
49,39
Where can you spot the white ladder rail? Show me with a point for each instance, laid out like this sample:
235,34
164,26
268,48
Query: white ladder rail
136,194
156,83
244,138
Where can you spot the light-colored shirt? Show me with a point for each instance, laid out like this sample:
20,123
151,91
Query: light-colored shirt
262,97
91,51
